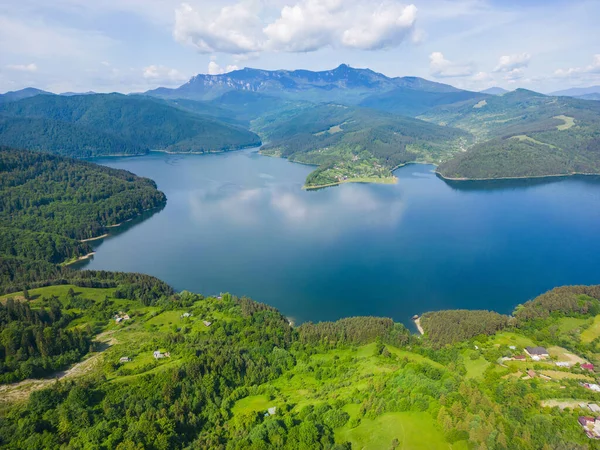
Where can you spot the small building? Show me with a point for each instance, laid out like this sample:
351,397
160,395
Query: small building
590,425
537,353
588,366
207,323
519,358
118,319
271,411
186,315
594,407
563,364
512,347
531,373
158,354
125,359
126,317
591,386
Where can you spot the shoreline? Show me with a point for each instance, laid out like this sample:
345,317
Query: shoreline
212,152
530,177
388,180
417,322
81,258
94,238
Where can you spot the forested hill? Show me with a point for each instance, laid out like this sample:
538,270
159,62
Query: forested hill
523,134
113,124
184,371
352,143
49,203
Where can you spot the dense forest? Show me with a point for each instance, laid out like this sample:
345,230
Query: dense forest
113,124
50,204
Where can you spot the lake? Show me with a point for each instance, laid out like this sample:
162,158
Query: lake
239,222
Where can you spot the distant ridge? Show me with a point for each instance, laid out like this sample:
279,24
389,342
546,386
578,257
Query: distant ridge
13,96
578,92
494,91
342,83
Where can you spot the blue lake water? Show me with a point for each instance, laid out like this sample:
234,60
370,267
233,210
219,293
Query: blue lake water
240,223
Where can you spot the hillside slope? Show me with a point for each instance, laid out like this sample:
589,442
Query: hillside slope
187,371
104,124
523,134
49,204
354,144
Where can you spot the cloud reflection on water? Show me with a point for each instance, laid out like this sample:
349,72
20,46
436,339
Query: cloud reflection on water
332,211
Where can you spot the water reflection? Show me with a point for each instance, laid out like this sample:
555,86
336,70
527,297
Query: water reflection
289,208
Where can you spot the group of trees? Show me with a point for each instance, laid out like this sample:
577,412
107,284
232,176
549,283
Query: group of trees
562,301
451,326
36,342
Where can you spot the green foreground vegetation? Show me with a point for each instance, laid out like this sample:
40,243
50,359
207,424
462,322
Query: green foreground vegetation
159,370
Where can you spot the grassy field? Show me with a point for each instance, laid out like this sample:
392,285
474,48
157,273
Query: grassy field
476,368
61,291
570,323
569,122
412,430
253,403
508,338
558,375
592,332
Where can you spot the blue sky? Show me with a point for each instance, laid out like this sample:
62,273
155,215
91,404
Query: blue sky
135,45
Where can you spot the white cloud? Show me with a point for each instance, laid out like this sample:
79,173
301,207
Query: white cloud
593,68
509,63
23,67
162,74
216,69
233,29
514,75
440,67
308,25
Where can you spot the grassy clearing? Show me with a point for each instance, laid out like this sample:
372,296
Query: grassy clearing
254,403
476,368
508,338
568,122
412,430
61,291
481,104
562,354
570,323
592,332
413,356
562,403
558,375
523,137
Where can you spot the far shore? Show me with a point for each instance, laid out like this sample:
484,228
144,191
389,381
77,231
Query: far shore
563,175
386,180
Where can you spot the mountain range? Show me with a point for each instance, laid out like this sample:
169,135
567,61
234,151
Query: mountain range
355,124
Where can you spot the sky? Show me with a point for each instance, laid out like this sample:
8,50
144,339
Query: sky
136,45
